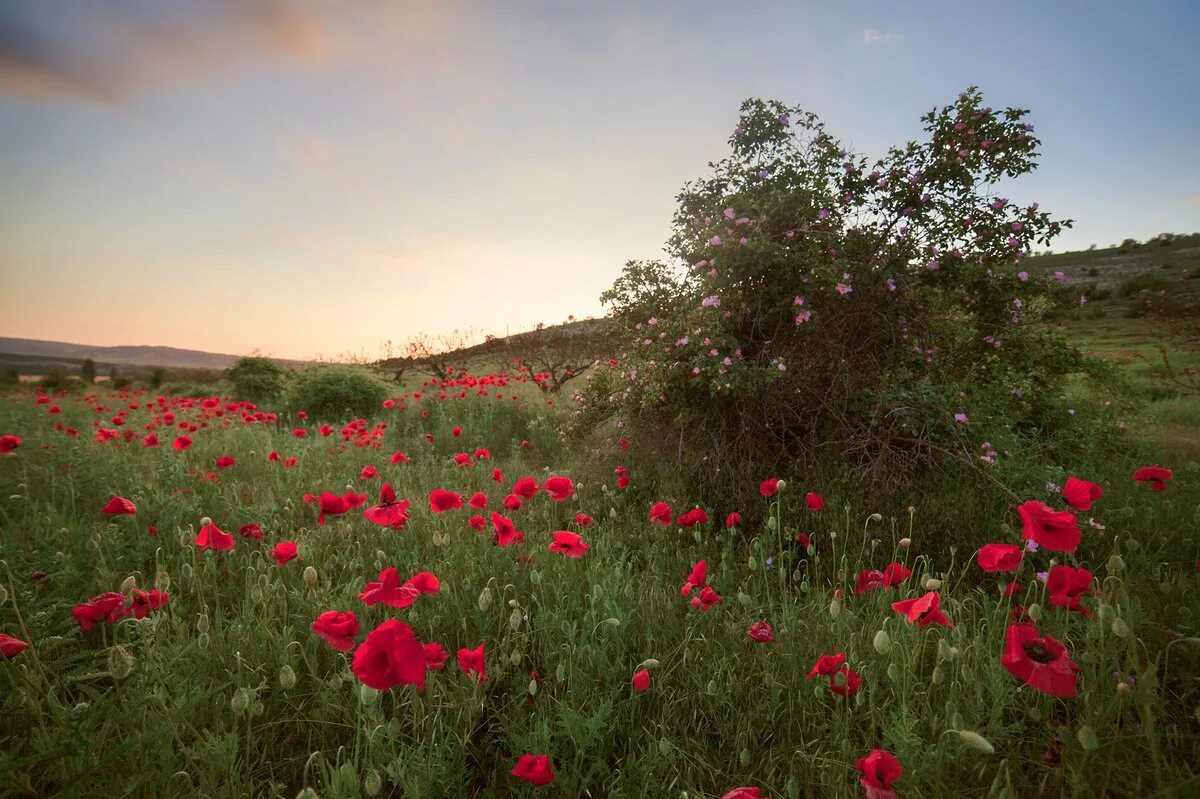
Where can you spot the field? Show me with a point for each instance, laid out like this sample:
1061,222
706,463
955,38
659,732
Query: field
218,686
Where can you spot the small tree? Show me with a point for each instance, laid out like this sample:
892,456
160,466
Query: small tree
87,370
258,380
436,356
158,377
555,356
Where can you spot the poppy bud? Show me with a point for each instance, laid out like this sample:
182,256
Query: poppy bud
535,577
781,485
793,788
976,741
202,624
485,598
875,517
664,747
612,622
835,608
939,676
514,619
205,521
560,673
649,663
1120,628
186,569
240,701
1123,688
893,672
335,682
372,783
1034,611
162,581
202,641
367,695
882,642
128,585
745,599
120,662
287,678
772,523
712,687
744,757
612,513
905,543
932,584
310,576
533,687
1087,738
3,595
1116,563
308,793
515,658
752,563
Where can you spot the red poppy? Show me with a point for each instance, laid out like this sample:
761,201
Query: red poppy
1041,661
845,681
1156,476
506,532
874,580
482,454
761,632
11,647
583,520
513,502
769,487
706,599
391,655
534,769
623,482
337,629
879,770
569,544
923,611
441,500
692,518
1080,494
660,513
526,487
388,513
290,461
224,462
1012,587
1066,585
212,536
814,501
826,665
399,457
560,489
463,459
478,500
804,540
641,680
435,656
251,530
7,444
697,578
497,475
284,551
106,607
141,603
456,431
325,430
388,590
477,521
181,443
733,520
151,440
119,506
1057,531
471,661
300,432
999,557
743,793
368,472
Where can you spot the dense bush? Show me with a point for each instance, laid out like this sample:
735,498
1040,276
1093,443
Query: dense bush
820,306
258,380
336,392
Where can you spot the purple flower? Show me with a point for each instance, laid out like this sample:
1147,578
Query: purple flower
822,214
1059,276
1031,546
960,417
715,241
843,289
1043,577
1023,277
730,213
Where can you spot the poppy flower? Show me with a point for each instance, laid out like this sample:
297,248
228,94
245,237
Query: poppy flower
804,540
108,607
435,656
441,500
141,603
274,457
399,457
471,661
733,520
181,443
826,665
119,506
641,680
706,599
845,681
999,557
761,632
151,440
697,577
478,500
284,551
879,770
623,482
743,793
368,472
526,487
463,459
391,655
506,532
300,432
388,513
477,521
1012,587
769,487
497,475
1156,476
1080,494
456,431
1057,531
11,647
513,502
583,520
212,536
7,444
923,611
388,590
337,629
814,501
1066,585
224,462
660,513
874,580
482,454
534,769
325,430
692,518
569,544
251,530
560,489
1041,661
290,461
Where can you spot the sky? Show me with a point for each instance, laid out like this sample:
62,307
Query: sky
317,179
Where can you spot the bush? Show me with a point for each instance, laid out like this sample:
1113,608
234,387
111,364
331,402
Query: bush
258,380
1145,282
333,393
823,307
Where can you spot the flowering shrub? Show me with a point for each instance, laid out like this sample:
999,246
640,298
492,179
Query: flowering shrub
821,302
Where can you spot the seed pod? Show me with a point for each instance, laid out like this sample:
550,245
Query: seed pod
1087,738
367,695
515,658
533,687
120,662
128,585
744,757
882,642
514,619
287,678
1120,628
485,598
372,783
240,701
939,676
310,576
835,608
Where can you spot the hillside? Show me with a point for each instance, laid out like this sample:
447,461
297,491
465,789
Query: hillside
35,355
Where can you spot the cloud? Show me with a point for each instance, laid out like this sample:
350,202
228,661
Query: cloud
112,51
872,36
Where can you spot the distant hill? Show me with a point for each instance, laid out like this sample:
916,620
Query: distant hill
1108,268
33,355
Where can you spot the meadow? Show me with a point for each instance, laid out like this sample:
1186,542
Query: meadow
781,667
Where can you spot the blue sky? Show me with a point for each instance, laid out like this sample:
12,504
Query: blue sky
318,178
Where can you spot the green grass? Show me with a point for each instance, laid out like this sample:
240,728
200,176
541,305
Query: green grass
209,706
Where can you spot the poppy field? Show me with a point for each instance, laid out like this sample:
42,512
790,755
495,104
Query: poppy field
204,597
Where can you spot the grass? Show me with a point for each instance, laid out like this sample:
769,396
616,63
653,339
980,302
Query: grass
226,692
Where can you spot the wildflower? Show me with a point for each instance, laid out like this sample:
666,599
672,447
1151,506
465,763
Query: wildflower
391,655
